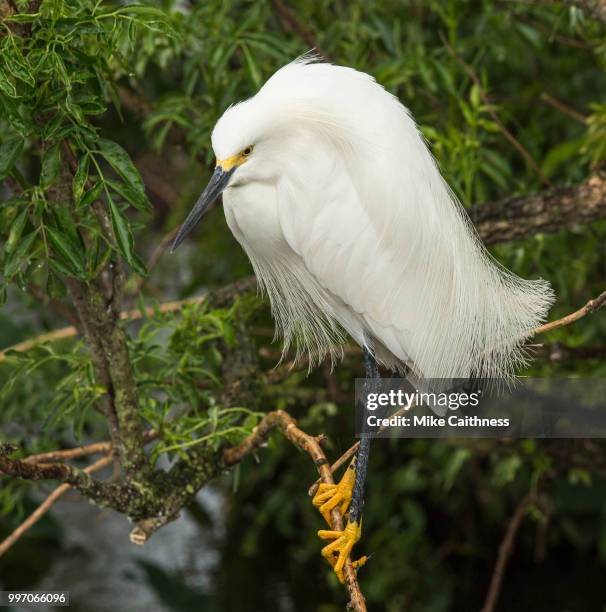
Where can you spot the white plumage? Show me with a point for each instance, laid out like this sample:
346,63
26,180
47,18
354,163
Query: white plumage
350,227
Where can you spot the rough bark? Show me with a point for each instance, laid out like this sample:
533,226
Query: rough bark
545,212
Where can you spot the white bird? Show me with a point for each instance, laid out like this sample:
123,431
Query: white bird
331,190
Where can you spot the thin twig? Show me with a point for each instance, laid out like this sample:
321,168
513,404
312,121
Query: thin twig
63,310
154,258
278,373
348,454
589,308
41,510
311,445
97,447
505,550
128,315
54,336
495,117
563,108
290,21
70,453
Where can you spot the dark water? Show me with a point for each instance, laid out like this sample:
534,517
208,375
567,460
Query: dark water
95,561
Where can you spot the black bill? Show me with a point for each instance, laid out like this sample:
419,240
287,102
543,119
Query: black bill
218,182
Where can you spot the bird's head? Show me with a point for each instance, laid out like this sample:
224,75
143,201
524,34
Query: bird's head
272,133
242,144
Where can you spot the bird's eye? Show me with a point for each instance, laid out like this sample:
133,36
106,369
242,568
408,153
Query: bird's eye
247,151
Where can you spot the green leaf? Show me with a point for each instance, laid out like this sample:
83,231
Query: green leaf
51,164
58,267
23,18
120,161
124,236
16,64
99,259
454,465
65,248
64,221
6,85
52,9
506,470
474,96
79,180
561,154
50,128
14,202
253,69
138,265
16,230
79,25
137,9
10,151
14,259
55,287
90,196
130,195
11,111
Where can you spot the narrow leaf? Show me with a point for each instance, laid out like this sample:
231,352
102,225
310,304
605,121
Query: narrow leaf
51,164
65,249
120,161
10,151
79,180
16,230
17,66
90,196
133,197
124,237
121,230
6,85
13,261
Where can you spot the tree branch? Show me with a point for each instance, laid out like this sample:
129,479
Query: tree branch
107,342
565,109
495,117
153,260
60,308
544,212
43,508
311,445
241,382
342,460
100,492
505,551
589,308
222,295
180,486
70,453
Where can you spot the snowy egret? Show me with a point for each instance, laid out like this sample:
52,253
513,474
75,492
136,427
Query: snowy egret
332,192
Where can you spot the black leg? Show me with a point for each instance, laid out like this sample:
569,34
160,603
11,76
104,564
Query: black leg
342,542
357,500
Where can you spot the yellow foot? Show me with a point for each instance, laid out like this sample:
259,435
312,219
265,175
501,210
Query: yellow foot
360,562
338,551
330,496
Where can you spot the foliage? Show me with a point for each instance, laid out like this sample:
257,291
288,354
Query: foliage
105,115
58,75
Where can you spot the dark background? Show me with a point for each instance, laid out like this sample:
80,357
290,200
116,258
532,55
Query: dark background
436,511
